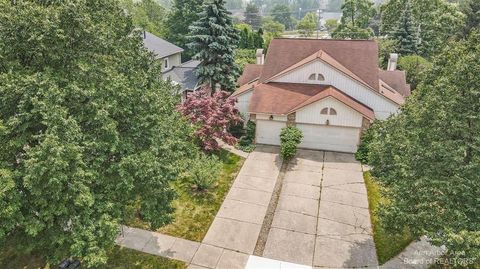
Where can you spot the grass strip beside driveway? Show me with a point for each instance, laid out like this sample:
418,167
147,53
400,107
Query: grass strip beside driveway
388,245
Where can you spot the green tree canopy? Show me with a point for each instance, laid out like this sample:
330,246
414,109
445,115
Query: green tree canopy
331,24
405,34
214,40
355,20
308,24
252,16
471,9
428,156
435,20
87,128
181,16
416,68
281,13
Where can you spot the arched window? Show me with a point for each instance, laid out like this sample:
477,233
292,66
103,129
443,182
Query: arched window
320,77
312,77
333,111
324,111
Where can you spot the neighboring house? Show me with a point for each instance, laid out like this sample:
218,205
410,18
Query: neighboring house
330,89
168,53
172,68
184,76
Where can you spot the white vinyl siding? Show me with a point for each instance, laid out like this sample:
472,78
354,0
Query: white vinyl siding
346,116
243,101
268,131
381,105
173,60
267,117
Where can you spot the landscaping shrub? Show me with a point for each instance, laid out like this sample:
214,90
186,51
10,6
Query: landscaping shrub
203,172
290,138
363,148
246,142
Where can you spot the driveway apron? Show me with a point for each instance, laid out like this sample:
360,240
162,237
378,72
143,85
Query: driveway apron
322,216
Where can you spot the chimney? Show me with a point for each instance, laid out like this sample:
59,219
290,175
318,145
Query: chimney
260,56
392,62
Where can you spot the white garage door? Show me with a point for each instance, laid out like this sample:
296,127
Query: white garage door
268,131
331,138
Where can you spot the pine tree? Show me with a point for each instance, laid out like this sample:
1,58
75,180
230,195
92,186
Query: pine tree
405,34
214,40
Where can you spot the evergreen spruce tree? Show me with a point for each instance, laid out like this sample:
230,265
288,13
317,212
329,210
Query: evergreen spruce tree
214,40
405,34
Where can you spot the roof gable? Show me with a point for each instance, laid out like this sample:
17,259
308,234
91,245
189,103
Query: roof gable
160,47
285,98
360,57
324,57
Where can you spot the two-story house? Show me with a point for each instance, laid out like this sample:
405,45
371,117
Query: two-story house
170,56
330,89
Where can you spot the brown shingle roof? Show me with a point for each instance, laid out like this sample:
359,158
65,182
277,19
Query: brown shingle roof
285,98
397,80
358,56
250,72
244,88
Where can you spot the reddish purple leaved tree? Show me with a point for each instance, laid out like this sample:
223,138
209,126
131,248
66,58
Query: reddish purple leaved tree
214,115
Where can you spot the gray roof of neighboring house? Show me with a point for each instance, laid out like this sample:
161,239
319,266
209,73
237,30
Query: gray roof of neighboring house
160,47
184,75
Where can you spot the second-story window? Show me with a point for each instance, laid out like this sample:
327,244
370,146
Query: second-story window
320,77
312,76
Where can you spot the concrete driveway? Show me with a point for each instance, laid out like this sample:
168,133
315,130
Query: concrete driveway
322,216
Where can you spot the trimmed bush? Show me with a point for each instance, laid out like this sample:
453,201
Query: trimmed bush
290,138
363,148
246,142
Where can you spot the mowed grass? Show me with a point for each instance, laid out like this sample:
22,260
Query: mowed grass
119,258
388,245
194,212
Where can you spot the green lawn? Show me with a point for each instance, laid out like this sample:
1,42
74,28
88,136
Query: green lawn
388,245
120,258
195,212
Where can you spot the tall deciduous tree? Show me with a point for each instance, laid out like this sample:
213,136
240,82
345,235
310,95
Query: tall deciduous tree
214,40
428,159
436,21
252,16
405,34
88,128
354,23
471,9
182,15
281,13
212,115
308,24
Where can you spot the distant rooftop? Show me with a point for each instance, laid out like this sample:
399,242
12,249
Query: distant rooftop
184,75
160,47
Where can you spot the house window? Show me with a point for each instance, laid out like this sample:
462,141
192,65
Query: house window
166,65
320,77
328,111
312,77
